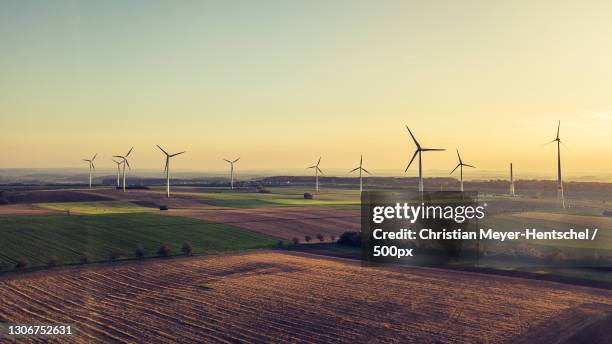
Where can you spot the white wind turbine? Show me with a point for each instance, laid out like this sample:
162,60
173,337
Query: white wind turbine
232,162
118,170
460,166
317,171
91,166
419,151
361,169
560,195
125,162
512,191
167,168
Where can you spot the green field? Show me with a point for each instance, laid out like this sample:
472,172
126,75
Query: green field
96,208
337,198
38,239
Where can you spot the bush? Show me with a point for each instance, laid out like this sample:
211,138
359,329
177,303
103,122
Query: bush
139,252
307,238
163,207
22,263
295,241
113,256
333,237
350,239
264,191
280,243
52,261
84,258
320,237
308,195
187,248
163,251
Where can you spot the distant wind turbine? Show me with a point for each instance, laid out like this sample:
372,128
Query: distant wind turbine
125,162
118,170
360,168
167,168
91,166
419,151
560,195
231,162
317,171
460,166
512,191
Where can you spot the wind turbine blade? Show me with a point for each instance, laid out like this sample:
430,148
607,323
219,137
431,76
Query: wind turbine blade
432,149
311,167
92,165
94,157
458,156
128,153
558,127
455,168
117,156
547,143
127,163
227,161
411,160
361,160
166,165
318,162
158,146
175,154
353,170
414,139
366,171
469,165
236,160
115,161
319,170
86,160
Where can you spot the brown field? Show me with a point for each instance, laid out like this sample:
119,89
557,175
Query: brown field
23,209
276,297
281,222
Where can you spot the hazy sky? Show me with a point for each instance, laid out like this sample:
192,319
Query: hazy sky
281,82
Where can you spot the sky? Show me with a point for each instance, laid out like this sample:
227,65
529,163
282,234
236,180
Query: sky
280,83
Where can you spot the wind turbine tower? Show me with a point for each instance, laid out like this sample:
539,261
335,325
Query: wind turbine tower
232,162
361,169
419,151
125,162
91,166
317,171
167,168
118,170
560,195
512,192
460,166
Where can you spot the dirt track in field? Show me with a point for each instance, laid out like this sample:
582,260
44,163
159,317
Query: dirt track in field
281,222
276,297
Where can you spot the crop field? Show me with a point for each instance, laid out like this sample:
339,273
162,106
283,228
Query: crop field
340,198
66,239
285,222
93,208
274,297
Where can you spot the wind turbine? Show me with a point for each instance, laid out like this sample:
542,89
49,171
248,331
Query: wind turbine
167,168
118,169
232,171
91,166
460,166
317,171
419,151
125,162
560,195
360,168
512,191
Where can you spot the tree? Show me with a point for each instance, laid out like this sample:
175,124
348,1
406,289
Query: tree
187,248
